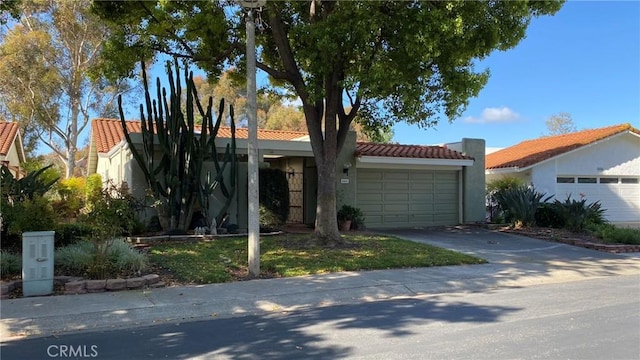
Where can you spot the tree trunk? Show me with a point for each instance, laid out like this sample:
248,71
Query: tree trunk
325,150
326,229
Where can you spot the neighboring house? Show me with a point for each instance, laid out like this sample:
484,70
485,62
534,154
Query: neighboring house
11,149
597,164
393,185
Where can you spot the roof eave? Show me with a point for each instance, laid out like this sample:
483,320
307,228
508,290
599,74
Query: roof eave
505,170
413,161
578,148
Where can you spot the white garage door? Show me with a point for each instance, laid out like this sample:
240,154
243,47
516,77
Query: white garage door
620,196
396,198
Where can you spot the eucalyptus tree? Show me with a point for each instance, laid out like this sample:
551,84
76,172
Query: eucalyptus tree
48,78
561,123
392,61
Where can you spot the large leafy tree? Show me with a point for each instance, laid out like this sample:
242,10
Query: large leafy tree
48,77
394,61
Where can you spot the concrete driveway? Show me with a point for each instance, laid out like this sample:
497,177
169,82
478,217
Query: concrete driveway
523,255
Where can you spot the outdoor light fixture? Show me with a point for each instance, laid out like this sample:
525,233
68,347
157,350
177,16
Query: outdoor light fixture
345,168
290,172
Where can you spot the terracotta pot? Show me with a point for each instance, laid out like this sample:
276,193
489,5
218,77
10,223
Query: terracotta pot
345,225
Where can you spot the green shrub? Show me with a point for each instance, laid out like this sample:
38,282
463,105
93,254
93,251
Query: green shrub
114,213
520,204
100,260
69,233
93,189
274,197
35,214
496,213
613,234
547,216
126,259
10,264
71,192
577,214
74,259
348,212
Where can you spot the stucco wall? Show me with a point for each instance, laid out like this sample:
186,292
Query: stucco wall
473,181
346,182
619,155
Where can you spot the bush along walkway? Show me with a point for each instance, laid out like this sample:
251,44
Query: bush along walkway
71,285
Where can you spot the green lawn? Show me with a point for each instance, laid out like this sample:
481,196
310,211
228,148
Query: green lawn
225,259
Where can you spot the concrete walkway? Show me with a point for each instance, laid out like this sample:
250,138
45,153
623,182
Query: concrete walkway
514,261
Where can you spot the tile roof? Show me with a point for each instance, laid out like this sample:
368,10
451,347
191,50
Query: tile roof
107,133
409,151
8,133
531,152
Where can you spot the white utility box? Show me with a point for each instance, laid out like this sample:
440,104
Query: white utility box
37,263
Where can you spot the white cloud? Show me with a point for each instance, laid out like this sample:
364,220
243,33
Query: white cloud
494,115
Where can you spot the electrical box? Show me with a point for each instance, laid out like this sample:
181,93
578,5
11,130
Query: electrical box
37,263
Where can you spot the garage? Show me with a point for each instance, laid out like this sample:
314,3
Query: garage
401,198
619,196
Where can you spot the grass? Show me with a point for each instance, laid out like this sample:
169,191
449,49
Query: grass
222,260
615,235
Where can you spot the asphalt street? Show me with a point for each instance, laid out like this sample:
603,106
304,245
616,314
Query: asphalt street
589,319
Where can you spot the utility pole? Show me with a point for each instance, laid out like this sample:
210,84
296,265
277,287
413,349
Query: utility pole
250,8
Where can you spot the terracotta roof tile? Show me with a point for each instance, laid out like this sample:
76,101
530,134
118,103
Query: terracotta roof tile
408,151
531,152
107,133
8,133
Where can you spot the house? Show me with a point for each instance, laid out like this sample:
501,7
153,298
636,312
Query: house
393,185
11,149
597,164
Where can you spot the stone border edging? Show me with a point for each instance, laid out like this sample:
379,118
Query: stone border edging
76,285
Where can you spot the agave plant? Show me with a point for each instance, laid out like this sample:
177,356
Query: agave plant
520,204
577,214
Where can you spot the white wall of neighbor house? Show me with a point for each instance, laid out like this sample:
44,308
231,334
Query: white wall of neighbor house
607,171
13,159
615,156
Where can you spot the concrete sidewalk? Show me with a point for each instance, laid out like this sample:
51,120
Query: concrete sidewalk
51,315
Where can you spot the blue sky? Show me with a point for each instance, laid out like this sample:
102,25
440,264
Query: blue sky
585,61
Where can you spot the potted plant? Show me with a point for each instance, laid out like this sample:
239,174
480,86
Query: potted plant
348,215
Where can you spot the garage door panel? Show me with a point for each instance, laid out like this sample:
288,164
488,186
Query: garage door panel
396,176
370,187
422,207
421,197
393,186
393,198
364,175
445,207
422,176
446,176
401,208
620,201
396,219
421,186
401,197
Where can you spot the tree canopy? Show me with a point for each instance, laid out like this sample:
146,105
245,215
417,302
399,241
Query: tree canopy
560,123
48,77
394,61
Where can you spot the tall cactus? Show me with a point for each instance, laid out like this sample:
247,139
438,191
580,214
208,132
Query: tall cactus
177,176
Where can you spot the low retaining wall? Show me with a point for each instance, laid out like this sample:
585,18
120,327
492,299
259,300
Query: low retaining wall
76,285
